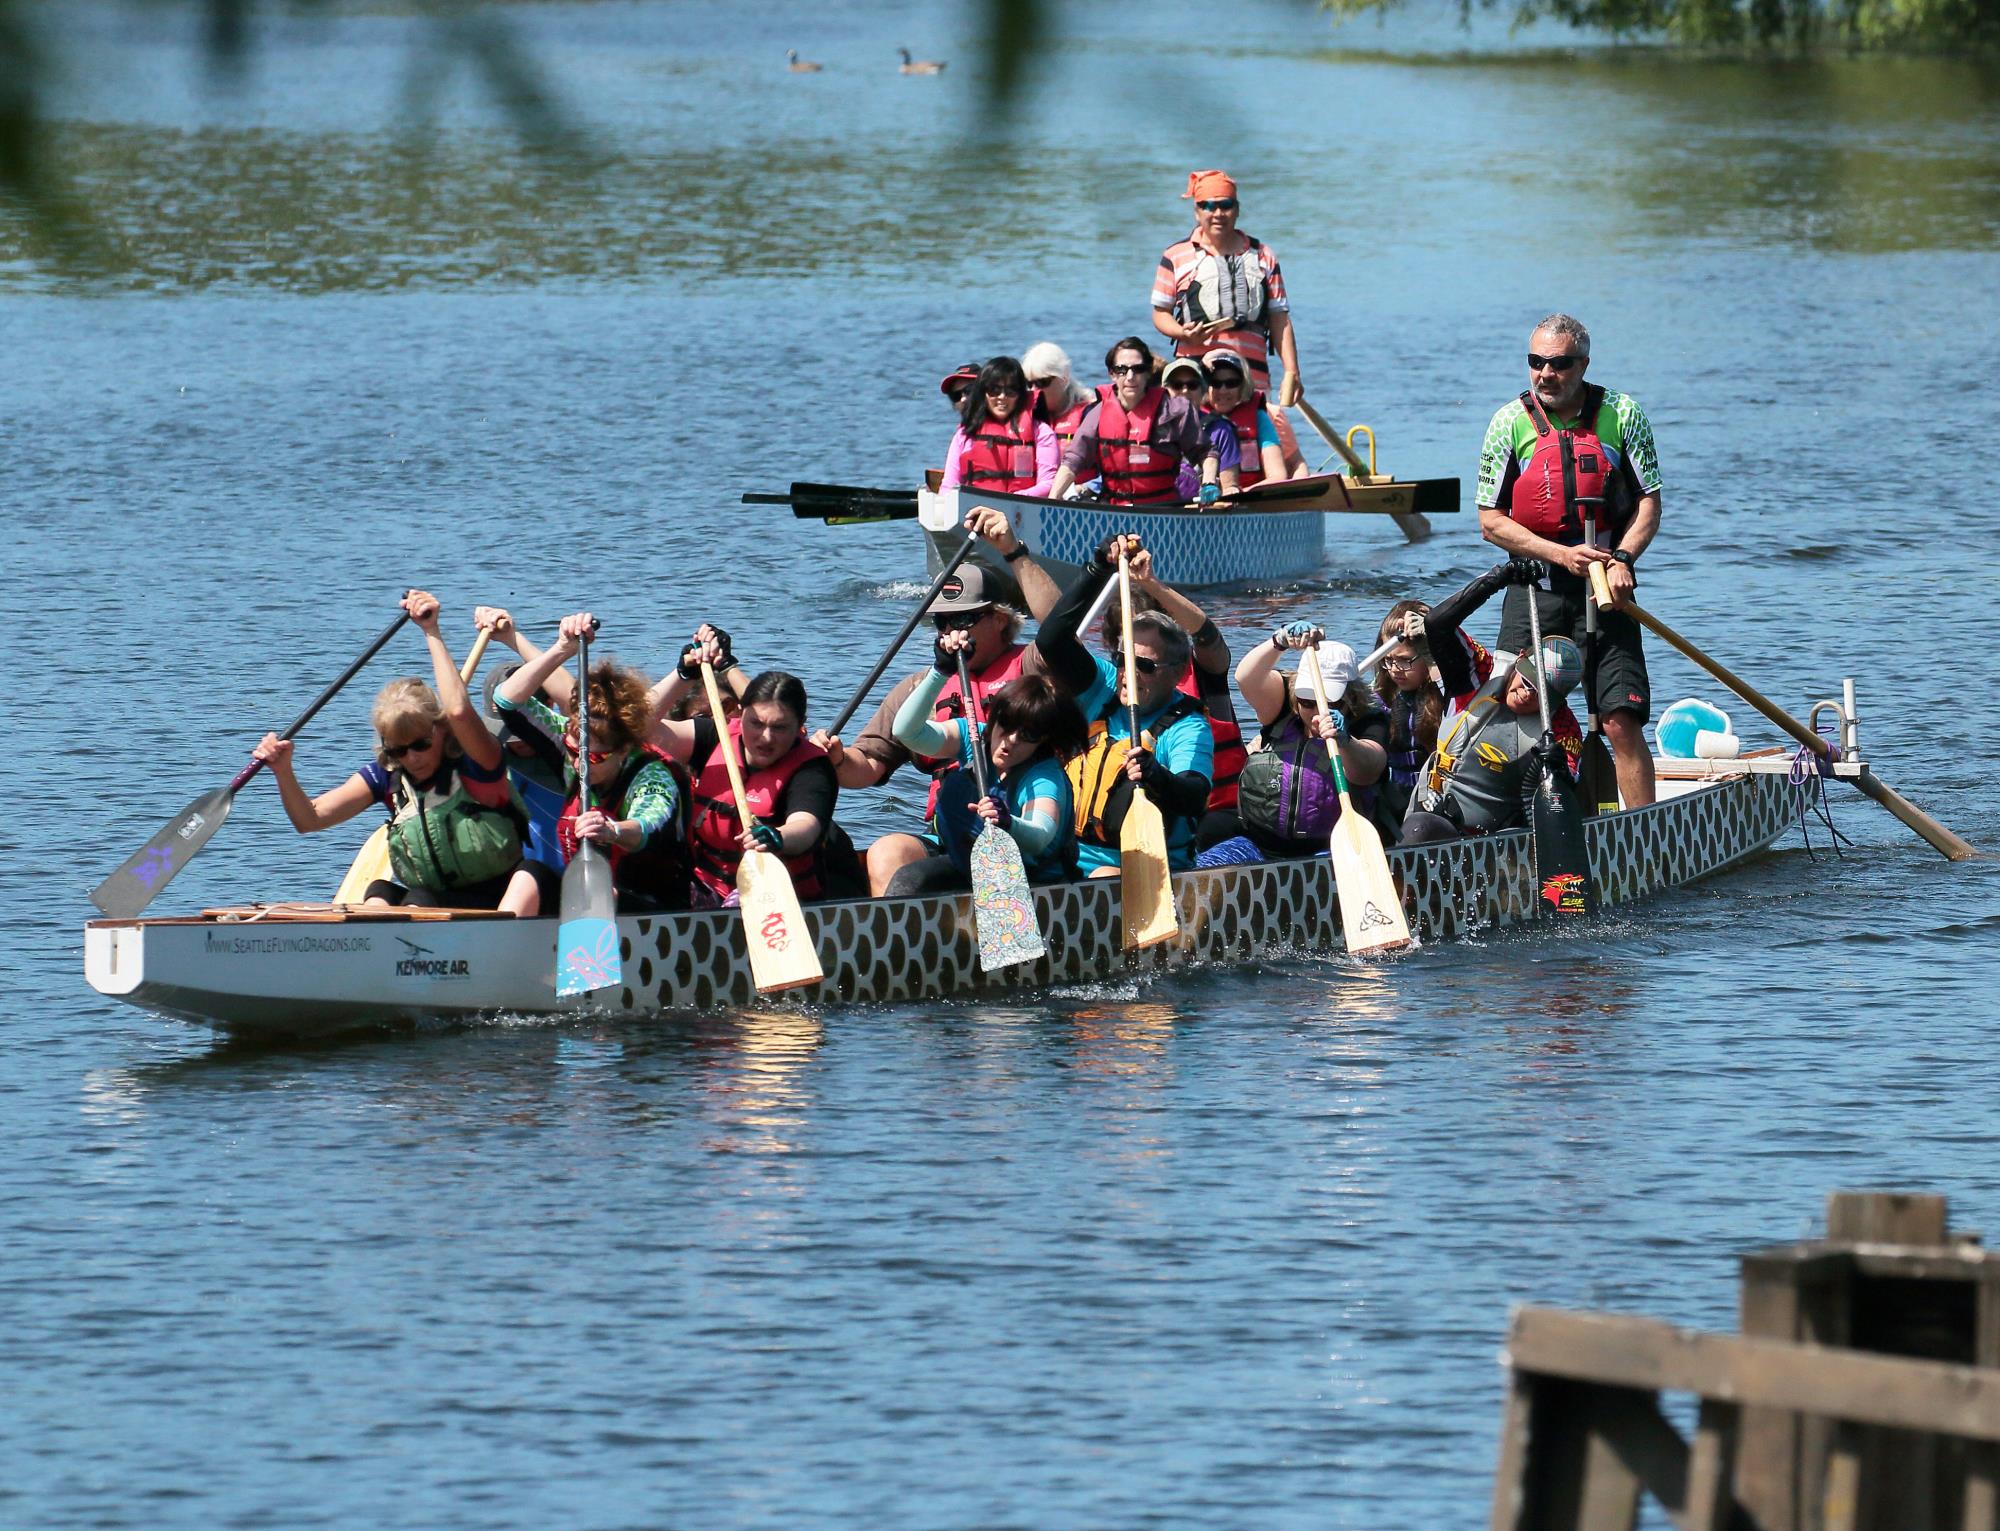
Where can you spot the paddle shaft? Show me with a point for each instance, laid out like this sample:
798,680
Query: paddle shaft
1309,662
726,744
1946,843
1332,437
974,742
1131,667
583,730
895,645
1541,680
346,675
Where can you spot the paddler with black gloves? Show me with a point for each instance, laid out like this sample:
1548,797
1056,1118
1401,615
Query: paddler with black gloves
1483,774
1174,756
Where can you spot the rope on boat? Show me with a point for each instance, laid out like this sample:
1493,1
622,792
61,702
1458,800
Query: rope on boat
1808,775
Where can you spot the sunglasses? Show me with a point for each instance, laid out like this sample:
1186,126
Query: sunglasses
1130,371
1140,662
957,621
1004,391
1219,205
597,757
1553,363
398,751
1180,381
1041,382
1226,380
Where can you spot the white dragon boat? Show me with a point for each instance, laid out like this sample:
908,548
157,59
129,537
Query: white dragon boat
294,971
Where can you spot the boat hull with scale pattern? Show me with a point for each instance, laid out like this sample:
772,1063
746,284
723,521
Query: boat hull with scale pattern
302,971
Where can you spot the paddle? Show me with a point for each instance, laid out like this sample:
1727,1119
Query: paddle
1941,839
781,948
587,956
127,891
1562,851
1003,910
1412,523
371,862
1371,910
1600,777
861,691
1142,837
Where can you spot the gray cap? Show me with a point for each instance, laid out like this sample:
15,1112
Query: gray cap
964,591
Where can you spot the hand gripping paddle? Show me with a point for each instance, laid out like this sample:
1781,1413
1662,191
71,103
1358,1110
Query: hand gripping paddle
1142,837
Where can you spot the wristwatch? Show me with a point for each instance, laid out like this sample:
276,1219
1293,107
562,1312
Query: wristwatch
1622,556
1021,550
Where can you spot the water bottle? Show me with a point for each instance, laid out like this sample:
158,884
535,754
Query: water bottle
1681,725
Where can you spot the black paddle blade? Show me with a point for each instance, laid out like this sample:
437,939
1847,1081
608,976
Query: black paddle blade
1562,856
854,512
1436,497
1600,776
126,892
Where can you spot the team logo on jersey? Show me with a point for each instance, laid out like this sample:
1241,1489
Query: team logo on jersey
1491,756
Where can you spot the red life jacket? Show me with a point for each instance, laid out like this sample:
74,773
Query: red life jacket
1567,474
716,827
1000,454
1066,424
1230,754
659,868
1244,418
949,706
1135,471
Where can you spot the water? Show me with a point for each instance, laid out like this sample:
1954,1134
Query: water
1231,1249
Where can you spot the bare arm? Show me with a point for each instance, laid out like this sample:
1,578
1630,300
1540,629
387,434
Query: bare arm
560,687
534,673
1638,536
1285,342
1504,532
465,723
309,814
1037,589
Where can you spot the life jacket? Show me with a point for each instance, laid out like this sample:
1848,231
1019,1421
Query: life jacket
1232,287
1135,471
1243,419
1066,424
1568,471
1288,790
958,825
1000,454
1097,779
1474,776
442,838
950,706
714,833
1230,753
661,868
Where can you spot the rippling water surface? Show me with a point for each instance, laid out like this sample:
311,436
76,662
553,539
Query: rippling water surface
1235,1248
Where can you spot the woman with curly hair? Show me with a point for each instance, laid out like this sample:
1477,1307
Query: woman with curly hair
455,826
638,815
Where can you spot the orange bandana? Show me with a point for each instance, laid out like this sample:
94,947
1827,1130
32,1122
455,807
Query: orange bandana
1208,185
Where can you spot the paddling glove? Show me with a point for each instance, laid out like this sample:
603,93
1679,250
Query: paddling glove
1295,635
942,659
1210,493
1523,571
767,838
999,801
1185,795
1550,754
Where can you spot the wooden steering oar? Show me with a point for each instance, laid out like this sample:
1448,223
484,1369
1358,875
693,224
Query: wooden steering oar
1371,910
371,862
1562,847
587,955
126,892
1003,910
1413,525
1941,839
774,929
1142,836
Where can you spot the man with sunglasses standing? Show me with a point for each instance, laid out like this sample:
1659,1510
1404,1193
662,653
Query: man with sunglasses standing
1219,289
1569,475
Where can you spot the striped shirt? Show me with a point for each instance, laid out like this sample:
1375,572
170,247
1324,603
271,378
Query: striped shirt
1180,267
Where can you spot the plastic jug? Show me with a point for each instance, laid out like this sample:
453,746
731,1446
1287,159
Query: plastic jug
1681,726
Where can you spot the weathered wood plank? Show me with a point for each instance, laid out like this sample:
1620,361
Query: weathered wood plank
1510,1478
1643,1353
1710,1500
1885,1217
1840,1505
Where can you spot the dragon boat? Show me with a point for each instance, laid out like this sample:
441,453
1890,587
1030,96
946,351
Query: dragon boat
1275,531
288,971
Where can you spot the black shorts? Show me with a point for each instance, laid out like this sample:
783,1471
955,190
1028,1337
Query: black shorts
1622,682
478,895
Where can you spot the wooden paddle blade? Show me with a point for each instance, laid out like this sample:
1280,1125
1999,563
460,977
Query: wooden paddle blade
1563,883
1371,909
371,864
1600,777
587,956
781,947
127,891
1148,886
1003,909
